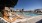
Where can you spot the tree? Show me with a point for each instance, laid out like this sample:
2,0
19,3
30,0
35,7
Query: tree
7,3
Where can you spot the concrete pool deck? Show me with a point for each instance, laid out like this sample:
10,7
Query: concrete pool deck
33,19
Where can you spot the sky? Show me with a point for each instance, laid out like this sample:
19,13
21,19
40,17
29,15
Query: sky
29,4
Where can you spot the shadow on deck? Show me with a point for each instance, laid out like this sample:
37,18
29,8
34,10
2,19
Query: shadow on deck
39,21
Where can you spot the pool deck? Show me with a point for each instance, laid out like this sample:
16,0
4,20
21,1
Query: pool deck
33,19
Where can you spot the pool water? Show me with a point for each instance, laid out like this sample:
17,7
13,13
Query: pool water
27,13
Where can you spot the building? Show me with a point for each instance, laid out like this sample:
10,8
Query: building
37,10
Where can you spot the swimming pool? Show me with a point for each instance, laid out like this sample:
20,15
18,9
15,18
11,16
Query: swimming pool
27,14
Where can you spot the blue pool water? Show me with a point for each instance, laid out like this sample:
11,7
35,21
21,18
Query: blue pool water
27,13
